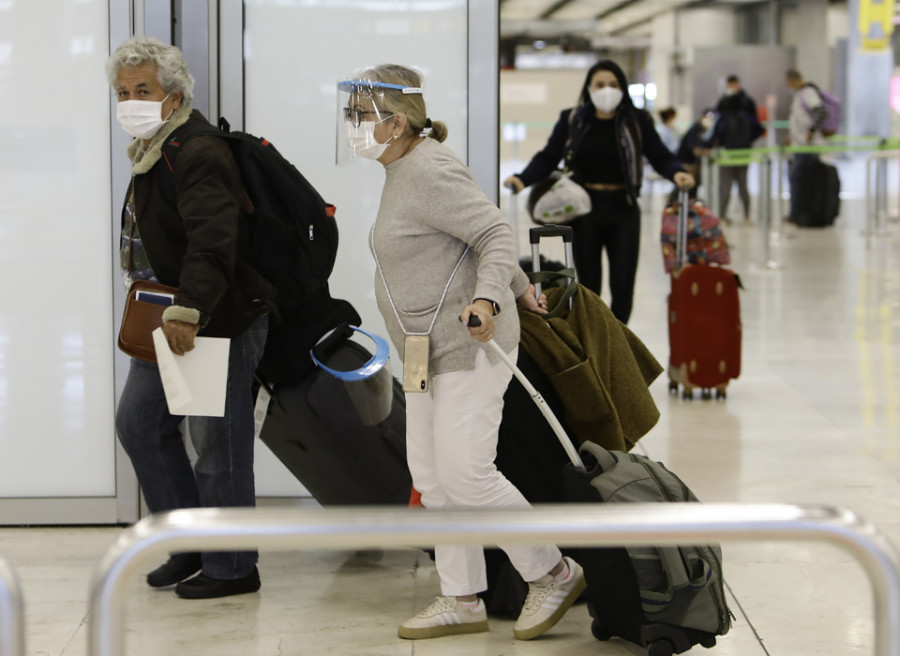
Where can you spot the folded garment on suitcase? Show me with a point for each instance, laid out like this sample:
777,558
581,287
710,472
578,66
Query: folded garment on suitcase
598,367
705,241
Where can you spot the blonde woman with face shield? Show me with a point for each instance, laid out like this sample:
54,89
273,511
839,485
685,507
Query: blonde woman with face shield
603,142
445,253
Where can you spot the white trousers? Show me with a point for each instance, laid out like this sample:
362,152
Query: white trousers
451,443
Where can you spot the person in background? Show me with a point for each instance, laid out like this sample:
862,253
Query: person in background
444,255
808,112
694,145
603,141
190,242
666,129
736,128
741,99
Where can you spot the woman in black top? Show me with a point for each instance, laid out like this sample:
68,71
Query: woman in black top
603,142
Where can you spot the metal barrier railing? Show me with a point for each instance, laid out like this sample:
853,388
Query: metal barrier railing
771,158
12,613
567,525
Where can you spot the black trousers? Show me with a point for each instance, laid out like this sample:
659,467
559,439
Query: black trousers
614,226
727,176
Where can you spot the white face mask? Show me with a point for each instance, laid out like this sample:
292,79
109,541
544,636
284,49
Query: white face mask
606,99
362,139
141,118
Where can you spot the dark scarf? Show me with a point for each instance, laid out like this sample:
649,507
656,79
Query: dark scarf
628,135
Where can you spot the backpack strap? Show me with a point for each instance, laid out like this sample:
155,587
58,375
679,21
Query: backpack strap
820,113
172,146
174,143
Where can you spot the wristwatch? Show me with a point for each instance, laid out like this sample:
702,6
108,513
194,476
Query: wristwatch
495,307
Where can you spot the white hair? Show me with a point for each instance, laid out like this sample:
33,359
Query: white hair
171,68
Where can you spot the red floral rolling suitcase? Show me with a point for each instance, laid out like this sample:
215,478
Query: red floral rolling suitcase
704,323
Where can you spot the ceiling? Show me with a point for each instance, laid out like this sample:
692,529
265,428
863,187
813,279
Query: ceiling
587,18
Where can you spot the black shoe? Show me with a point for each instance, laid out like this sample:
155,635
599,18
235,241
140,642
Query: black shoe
177,568
204,587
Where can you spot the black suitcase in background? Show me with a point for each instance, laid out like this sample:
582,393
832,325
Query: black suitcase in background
314,429
818,187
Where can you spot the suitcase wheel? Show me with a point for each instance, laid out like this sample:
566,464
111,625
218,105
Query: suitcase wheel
687,394
706,394
599,632
708,642
720,393
673,387
661,647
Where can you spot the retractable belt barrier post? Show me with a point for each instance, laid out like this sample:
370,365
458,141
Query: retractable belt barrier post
762,157
714,180
567,525
876,208
765,210
12,613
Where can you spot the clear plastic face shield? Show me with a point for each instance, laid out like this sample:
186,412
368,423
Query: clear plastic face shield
370,386
361,116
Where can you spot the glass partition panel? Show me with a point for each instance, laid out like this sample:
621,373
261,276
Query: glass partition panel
56,339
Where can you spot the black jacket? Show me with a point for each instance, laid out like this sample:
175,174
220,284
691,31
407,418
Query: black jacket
193,240
737,125
637,138
739,101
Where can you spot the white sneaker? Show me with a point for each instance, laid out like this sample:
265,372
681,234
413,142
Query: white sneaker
547,601
444,617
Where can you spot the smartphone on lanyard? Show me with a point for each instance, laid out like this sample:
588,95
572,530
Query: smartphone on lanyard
415,363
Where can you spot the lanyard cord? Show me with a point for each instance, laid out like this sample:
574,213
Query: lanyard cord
391,300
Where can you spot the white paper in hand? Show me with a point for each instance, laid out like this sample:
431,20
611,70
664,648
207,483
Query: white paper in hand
194,383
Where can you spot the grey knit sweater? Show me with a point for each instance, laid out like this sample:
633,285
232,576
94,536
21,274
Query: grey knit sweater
431,209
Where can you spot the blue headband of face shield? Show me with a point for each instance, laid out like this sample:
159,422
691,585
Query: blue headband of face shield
353,86
375,364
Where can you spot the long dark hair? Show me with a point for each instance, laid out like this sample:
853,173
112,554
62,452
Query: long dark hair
615,69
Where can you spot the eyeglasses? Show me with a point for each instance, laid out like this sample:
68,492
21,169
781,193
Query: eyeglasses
355,116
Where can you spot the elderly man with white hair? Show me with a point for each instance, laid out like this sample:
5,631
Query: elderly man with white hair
180,227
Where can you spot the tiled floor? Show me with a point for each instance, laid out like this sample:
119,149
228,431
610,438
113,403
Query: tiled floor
813,419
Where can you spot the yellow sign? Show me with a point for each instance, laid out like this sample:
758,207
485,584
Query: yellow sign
876,23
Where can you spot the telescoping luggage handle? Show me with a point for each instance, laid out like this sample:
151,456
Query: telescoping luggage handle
684,201
536,234
561,434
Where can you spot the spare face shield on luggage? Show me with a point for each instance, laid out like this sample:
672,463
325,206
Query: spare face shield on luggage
371,386
361,127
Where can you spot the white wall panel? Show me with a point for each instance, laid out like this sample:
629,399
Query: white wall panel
294,53
56,326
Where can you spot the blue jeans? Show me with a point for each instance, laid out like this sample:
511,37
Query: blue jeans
223,473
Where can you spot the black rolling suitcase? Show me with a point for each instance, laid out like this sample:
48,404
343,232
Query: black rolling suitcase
666,599
532,459
818,187
314,428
